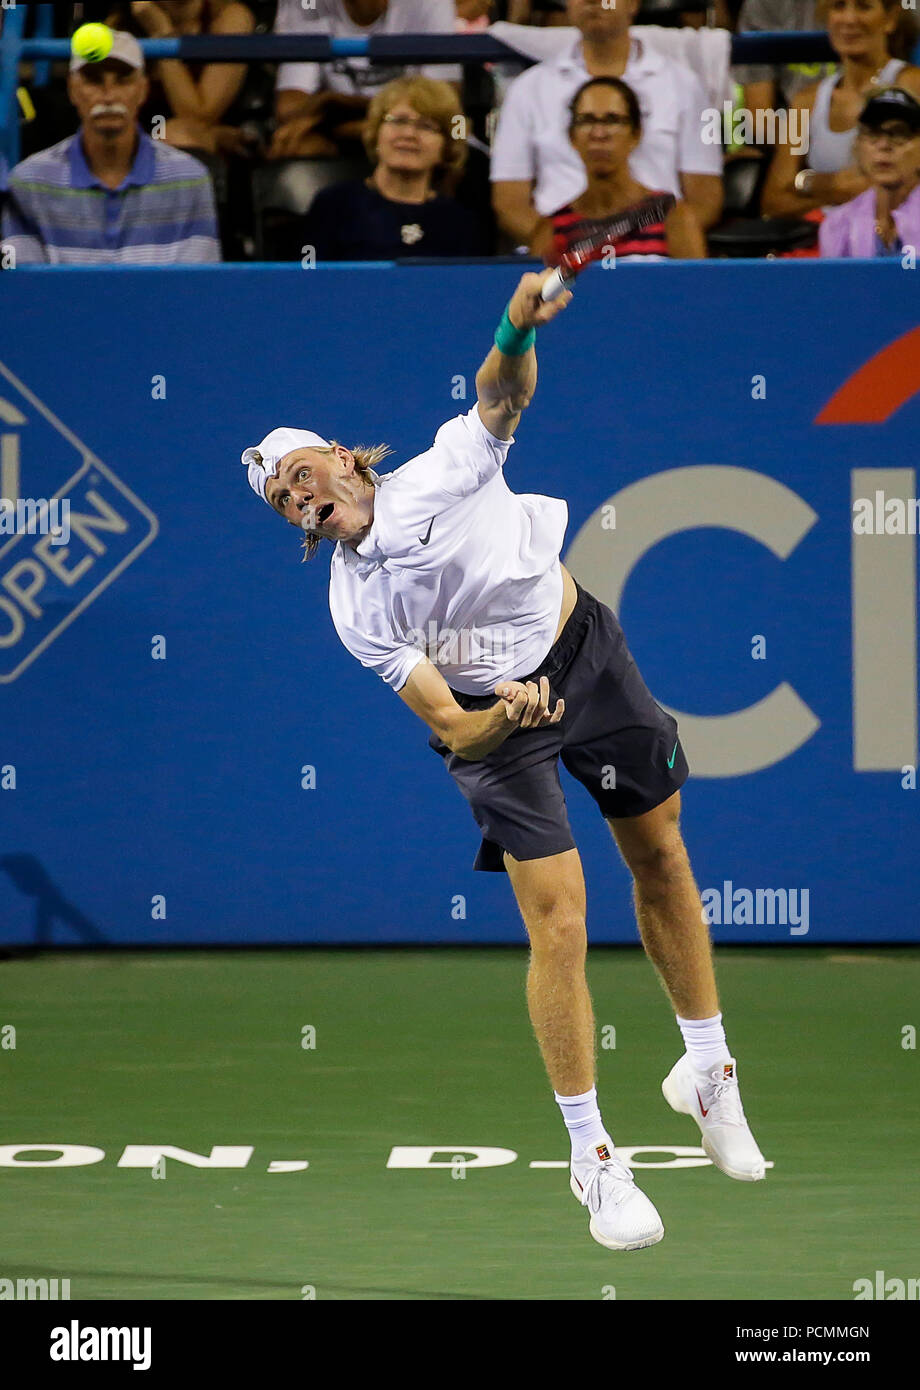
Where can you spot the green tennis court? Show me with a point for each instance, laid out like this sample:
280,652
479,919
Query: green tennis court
433,1048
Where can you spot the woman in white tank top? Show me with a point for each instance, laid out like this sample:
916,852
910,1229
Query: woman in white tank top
814,166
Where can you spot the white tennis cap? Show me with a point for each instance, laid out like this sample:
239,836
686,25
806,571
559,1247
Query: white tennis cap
263,459
125,49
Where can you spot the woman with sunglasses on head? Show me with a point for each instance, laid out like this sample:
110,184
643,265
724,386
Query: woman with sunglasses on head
885,219
818,169
414,136
605,126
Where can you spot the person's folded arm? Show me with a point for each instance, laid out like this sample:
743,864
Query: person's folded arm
470,734
699,164
780,197
473,734
705,195
221,83
209,96
512,203
293,105
685,238
514,169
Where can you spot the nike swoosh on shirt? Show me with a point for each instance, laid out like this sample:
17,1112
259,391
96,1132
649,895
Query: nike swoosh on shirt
673,750
427,536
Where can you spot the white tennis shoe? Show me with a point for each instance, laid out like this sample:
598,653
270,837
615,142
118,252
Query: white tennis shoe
714,1100
622,1217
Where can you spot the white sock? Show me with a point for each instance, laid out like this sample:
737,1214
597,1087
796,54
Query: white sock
704,1039
583,1121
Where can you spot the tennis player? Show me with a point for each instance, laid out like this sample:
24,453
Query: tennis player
449,586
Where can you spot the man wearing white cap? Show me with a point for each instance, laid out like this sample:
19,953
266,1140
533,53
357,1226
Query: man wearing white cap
157,203
449,586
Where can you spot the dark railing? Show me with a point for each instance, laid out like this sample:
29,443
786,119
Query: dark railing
315,48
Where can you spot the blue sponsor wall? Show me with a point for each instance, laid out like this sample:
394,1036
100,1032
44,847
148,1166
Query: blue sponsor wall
133,392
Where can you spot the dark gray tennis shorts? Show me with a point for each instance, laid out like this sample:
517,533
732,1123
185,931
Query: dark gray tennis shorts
614,738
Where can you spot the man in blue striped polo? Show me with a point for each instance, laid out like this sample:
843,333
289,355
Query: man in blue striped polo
110,194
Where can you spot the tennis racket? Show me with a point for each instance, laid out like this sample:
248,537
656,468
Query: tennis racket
596,235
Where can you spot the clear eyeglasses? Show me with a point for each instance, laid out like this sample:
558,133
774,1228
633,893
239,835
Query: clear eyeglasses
412,123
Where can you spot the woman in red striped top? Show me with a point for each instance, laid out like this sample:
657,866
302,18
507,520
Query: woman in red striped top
605,127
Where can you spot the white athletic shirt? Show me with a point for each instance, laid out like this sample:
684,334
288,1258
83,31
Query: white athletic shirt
455,566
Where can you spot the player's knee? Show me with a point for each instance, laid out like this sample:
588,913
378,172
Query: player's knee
558,932
659,867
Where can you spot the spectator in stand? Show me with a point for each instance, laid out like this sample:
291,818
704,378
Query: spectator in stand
321,107
404,207
605,127
767,86
200,96
885,219
861,32
110,194
535,170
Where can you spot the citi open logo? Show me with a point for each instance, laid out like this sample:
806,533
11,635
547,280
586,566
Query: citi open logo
49,573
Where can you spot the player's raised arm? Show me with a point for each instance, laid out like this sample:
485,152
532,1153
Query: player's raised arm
507,379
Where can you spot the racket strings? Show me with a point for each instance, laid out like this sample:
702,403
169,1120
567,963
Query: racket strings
593,233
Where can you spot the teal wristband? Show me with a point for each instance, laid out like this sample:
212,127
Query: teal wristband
511,341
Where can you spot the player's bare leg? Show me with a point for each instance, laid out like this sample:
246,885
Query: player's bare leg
668,907
704,1082
551,896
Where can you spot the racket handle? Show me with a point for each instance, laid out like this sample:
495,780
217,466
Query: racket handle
553,285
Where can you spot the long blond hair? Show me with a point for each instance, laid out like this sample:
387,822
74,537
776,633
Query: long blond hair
366,457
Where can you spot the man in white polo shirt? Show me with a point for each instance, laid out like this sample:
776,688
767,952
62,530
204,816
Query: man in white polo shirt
449,586
535,170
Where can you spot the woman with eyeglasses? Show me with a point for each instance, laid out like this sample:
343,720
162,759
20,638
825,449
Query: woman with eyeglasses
605,126
815,167
885,219
415,138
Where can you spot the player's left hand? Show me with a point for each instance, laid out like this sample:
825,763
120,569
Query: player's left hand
527,703
526,309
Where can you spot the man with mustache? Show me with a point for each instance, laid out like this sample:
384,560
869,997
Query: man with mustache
157,203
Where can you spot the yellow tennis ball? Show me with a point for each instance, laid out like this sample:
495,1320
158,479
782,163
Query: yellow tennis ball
92,42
